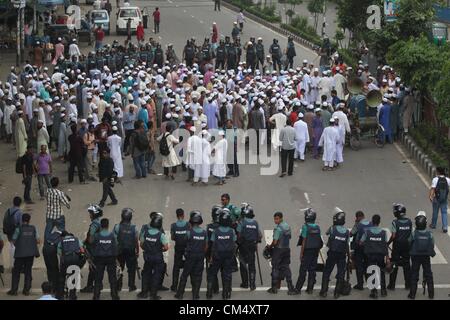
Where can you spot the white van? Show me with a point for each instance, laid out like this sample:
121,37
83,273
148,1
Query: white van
126,13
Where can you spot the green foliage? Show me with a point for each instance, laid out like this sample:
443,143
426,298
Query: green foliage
414,17
352,16
307,33
441,91
316,6
426,137
349,57
267,13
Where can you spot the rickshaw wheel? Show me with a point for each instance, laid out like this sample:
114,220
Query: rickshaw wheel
379,137
355,143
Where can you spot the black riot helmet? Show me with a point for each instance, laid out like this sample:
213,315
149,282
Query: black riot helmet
421,221
310,215
247,211
399,210
156,221
267,253
95,210
225,217
215,213
127,214
196,217
154,214
339,218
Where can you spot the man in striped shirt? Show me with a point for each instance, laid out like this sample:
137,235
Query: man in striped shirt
55,198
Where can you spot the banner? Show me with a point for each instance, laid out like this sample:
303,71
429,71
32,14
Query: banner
50,2
390,10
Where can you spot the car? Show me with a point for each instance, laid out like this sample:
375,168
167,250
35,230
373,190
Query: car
126,13
100,18
85,33
90,1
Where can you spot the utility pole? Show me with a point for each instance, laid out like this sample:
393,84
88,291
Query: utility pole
22,34
324,23
35,31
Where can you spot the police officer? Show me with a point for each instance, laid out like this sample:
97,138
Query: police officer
223,249
234,211
159,56
422,248
70,251
210,229
232,57
154,243
206,51
95,212
290,52
281,255
26,241
275,51
359,258
105,255
249,235
259,47
375,245
401,230
221,54
52,237
197,243
189,53
178,233
128,248
311,242
338,249
250,55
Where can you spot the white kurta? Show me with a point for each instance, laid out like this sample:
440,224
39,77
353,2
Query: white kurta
314,96
42,138
172,159
7,118
339,82
325,87
114,145
328,141
301,138
220,159
280,123
206,161
339,158
194,155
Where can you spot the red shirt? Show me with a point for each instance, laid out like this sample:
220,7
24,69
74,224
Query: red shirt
293,117
156,16
99,34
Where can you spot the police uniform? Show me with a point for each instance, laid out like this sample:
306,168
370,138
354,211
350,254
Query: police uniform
189,53
359,257
400,250
94,228
152,241
105,255
422,248
25,241
337,250
178,232
223,248
312,243
281,255
69,252
251,57
275,50
376,249
197,239
49,251
210,228
249,235
126,234
259,55
221,53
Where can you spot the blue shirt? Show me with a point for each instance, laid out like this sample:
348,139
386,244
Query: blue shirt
304,232
128,120
143,115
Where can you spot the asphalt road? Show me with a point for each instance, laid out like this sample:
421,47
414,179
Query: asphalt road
370,180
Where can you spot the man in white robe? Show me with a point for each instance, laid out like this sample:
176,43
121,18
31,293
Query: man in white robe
206,158
279,120
194,157
328,141
325,86
220,158
62,137
114,144
43,137
302,137
343,127
315,79
340,84
339,156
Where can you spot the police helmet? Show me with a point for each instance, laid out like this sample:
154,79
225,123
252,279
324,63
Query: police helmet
339,218
215,213
127,214
95,210
399,210
225,217
196,217
154,214
156,222
310,215
421,221
247,211
267,253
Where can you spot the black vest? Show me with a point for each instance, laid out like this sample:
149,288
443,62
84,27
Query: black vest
250,230
422,244
375,243
180,234
70,250
283,241
313,238
224,242
152,246
127,237
403,231
338,241
196,243
260,50
220,53
26,243
105,246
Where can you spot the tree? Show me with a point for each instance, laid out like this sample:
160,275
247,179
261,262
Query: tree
290,13
339,36
352,16
315,7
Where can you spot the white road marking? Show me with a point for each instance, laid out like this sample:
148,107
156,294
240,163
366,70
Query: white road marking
159,37
184,11
268,236
192,16
307,197
201,21
439,257
167,201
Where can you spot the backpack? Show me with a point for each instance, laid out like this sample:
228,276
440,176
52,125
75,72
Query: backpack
164,146
141,142
441,190
9,223
19,165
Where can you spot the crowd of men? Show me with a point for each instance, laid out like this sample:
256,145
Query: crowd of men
232,237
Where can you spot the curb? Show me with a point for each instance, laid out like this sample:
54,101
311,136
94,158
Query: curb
271,26
417,154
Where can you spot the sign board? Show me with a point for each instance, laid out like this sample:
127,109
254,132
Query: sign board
50,2
18,3
391,10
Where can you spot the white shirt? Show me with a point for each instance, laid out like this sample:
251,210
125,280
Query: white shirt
435,181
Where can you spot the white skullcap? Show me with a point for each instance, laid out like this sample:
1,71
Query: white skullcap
168,115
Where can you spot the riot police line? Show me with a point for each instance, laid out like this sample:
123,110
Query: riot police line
232,238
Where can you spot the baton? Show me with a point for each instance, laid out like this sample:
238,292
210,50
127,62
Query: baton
138,271
1,278
259,265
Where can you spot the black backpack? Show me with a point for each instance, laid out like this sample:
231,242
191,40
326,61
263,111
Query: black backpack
9,223
164,146
441,190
